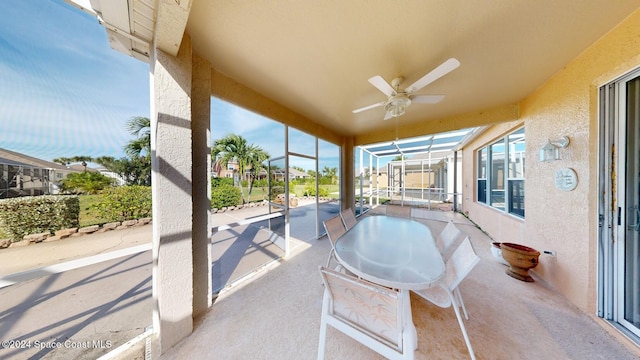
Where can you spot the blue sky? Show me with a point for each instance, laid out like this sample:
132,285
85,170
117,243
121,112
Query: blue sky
64,92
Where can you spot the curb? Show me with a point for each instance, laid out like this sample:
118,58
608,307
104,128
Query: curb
72,232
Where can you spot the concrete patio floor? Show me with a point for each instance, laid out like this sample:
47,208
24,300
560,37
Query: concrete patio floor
276,315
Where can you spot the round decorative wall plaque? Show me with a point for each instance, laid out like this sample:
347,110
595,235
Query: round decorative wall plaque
566,179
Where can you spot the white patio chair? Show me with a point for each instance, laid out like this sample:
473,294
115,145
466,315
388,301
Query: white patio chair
446,293
349,218
375,316
335,228
447,237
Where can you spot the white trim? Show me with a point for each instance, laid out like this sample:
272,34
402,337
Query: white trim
16,278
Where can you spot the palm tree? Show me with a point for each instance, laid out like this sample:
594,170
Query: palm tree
83,159
330,173
140,127
235,147
63,161
257,156
138,166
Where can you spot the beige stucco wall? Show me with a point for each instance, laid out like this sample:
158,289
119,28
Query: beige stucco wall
566,222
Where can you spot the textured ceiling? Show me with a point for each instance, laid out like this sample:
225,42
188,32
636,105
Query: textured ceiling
315,57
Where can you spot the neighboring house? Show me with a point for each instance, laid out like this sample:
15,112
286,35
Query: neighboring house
419,172
218,170
108,173
279,175
23,175
430,169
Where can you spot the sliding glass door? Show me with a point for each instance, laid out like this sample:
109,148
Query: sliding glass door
619,247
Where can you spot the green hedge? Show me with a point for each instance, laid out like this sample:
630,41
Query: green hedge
219,181
225,196
124,203
37,214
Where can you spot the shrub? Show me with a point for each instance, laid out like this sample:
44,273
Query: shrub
310,190
86,182
37,214
124,203
218,181
275,191
260,183
225,196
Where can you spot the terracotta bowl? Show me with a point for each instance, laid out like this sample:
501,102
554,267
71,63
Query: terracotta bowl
520,258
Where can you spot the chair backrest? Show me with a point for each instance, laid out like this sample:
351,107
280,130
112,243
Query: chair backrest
370,309
460,264
335,228
447,236
349,218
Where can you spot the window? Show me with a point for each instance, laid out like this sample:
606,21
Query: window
496,179
500,174
482,175
515,176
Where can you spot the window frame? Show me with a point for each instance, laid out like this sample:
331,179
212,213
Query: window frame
481,175
511,173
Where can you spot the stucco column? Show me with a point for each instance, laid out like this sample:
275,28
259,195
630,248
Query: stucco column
201,135
347,174
172,180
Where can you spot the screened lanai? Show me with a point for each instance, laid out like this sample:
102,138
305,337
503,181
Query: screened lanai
420,171
307,66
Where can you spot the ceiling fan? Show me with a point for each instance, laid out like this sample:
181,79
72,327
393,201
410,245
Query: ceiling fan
399,99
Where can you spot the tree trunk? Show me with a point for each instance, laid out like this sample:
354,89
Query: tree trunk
251,179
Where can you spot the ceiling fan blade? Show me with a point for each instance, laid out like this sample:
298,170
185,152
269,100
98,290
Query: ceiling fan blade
426,99
368,107
434,75
382,85
388,115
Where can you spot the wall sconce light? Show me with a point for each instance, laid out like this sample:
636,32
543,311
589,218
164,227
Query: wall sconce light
551,150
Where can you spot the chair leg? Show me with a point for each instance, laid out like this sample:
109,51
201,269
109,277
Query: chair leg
329,259
461,323
323,327
459,298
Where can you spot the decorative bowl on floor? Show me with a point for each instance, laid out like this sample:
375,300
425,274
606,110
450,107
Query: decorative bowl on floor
520,258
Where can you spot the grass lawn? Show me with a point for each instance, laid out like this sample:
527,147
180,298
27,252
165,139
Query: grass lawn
260,193
87,216
257,193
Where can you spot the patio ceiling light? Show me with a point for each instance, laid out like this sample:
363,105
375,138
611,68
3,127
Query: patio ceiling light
551,150
397,104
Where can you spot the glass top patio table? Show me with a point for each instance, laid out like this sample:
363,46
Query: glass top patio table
394,252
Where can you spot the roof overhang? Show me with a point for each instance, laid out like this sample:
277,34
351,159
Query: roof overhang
133,25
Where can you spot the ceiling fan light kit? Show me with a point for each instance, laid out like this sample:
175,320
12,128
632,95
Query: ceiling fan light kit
399,100
397,104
